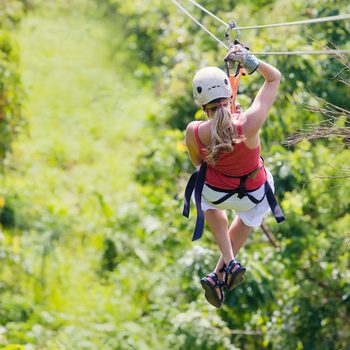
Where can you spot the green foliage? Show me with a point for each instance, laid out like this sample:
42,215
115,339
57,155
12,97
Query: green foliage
108,262
94,252
299,320
11,12
7,216
11,93
158,166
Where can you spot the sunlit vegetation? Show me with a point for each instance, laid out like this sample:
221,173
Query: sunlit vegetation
94,252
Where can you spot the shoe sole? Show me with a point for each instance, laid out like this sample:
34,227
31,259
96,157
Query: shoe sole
210,293
235,279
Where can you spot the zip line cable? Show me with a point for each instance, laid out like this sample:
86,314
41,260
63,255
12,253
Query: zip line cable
208,12
307,21
310,21
320,52
200,24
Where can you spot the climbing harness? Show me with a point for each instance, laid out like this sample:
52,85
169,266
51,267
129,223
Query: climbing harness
196,184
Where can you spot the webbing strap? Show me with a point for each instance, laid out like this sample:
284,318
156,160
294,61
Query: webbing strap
196,184
225,197
254,200
234,81
271,199
188,192
242,192
275,208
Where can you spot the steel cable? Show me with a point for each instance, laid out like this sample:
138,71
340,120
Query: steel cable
310,21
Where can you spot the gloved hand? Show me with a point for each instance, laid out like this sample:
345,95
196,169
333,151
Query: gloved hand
240,54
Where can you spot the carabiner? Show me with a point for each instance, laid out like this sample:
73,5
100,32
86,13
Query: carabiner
232,25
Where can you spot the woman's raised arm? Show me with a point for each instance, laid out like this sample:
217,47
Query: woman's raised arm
255,116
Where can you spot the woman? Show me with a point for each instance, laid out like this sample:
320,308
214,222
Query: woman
227,147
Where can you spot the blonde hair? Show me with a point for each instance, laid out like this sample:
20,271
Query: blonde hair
224,135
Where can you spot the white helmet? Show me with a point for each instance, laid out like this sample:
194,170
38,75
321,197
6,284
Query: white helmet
210,83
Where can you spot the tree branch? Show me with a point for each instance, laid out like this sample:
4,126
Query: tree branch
269,235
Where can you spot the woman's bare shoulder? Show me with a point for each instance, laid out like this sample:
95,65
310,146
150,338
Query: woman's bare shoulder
200,124
190,137
190,127
204,131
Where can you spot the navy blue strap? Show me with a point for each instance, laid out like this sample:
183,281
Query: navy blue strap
231,193
225,197
254,200
231,265
275,208
188,192
241,189
241,193
196,183
198,189
215,278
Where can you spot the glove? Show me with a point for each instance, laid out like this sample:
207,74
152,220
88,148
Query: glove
240,54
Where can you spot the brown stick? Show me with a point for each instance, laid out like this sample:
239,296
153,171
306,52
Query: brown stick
269,235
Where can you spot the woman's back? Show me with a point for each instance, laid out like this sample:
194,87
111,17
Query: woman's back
239,162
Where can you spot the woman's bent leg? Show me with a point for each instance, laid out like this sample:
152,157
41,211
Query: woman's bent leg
238,233
218,224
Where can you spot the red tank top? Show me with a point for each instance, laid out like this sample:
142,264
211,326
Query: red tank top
239,162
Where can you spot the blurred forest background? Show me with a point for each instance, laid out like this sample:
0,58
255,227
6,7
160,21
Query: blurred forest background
94,252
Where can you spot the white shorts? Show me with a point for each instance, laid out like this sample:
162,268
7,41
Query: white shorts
250,213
